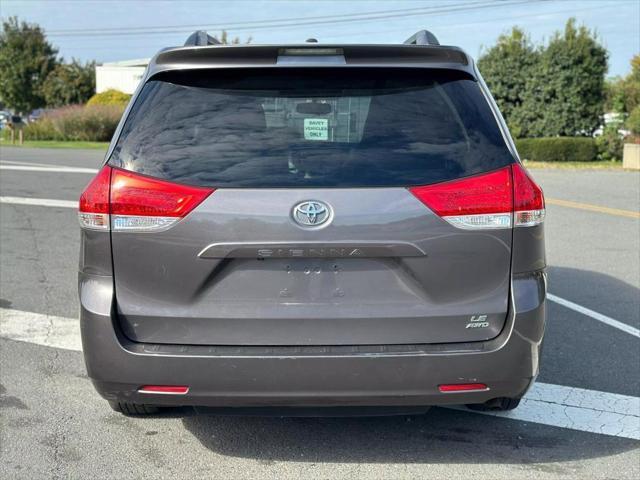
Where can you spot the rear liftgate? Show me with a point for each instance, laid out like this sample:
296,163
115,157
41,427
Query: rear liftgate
311,267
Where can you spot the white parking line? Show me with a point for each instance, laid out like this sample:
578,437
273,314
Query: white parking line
579,409
40,202
13,162
31,168
47,330
595,315
555,405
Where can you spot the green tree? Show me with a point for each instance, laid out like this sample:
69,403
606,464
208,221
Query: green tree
26,58
623,94
614,95
633,122
632,85
610,143
506,68
565,92
69,83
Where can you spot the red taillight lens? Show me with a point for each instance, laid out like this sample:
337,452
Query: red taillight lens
95,198
462,387
487,193
528,200
93,209
133,194
136,202
481,201
528,195
487,200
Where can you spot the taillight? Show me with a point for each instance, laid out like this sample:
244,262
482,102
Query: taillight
93,210
143,203
140,203
528,201
486,201
481,201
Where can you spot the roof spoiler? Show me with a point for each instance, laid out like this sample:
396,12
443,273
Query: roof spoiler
200,38
257,56
423,37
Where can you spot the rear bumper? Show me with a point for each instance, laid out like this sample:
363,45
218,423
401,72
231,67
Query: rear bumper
312,376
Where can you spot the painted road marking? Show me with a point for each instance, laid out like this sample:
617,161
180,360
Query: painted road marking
547,404
595,315
47,330
40,202
578,409
13,162
32,168
593,208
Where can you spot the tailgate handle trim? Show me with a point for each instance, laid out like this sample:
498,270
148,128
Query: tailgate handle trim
311,250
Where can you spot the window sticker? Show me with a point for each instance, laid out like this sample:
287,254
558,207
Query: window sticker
316,129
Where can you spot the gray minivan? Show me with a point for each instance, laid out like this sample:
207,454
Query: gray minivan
312,226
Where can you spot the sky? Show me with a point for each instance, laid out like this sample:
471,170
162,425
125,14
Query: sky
114,30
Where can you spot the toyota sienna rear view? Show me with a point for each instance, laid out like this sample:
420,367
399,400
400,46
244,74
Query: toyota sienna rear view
312,227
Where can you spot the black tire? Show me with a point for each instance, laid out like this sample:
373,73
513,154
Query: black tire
134,409
501,404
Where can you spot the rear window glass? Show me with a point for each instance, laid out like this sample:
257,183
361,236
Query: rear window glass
324,127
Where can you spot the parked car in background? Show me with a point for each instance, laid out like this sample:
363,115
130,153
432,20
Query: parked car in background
4,118
36,114
312,226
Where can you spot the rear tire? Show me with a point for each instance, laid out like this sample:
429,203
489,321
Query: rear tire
134,409
501,404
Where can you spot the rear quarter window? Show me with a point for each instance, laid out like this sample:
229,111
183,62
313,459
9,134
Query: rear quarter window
329,127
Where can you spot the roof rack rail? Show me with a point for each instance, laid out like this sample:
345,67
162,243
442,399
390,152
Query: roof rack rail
200,38
423,37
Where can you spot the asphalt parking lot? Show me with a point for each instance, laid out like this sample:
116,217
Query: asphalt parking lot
55,426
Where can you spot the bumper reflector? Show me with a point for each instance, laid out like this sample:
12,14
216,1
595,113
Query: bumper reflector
463,387
165,389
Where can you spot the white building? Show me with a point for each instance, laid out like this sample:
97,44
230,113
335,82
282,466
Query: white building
123,76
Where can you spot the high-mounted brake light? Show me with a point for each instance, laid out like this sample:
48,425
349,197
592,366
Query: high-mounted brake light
486,201
302,51
134,202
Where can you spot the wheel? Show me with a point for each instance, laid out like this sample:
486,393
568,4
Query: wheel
501,404
133,409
